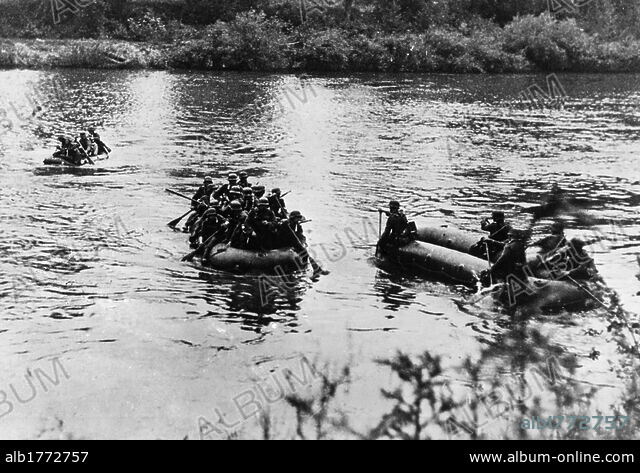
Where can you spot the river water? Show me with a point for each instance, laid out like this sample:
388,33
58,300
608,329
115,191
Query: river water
92,275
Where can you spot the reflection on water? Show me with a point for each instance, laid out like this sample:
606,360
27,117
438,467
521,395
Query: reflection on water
87,256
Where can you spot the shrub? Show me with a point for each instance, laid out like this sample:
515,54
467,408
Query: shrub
325,51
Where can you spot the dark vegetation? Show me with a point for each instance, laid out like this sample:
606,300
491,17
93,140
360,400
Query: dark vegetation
325,35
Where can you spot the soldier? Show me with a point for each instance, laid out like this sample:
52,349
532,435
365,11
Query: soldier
235,218
259,191
210,222
397,225
102,147
200,202
244,180
206,189
290,233
222,194
512,260
498,235
556,241
277,204
63,149
263,221
249,199
87,146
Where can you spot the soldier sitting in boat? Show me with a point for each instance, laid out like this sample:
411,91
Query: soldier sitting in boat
398,231
210,222
86,144
572,262
259,192
263,223
277,204
550,245
235,218
290,233
249,201
222,194
511,261
498,234
64,148
554,242
243,180
102,147
200,203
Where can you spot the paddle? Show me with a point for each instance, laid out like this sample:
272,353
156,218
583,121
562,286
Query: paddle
486,247
183,196
201,248
174,223
86,155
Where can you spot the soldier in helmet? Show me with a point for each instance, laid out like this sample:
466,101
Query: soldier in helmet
86,145
222,194
63,149
234,218
277,204
512,260
259,192
397,225
263,222
556,241
95,136
249,201
243,179
206,189
498,230
210,223
200,202
291,234
235,193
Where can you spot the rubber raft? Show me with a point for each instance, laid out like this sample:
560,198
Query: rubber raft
58,161
281,261
449,262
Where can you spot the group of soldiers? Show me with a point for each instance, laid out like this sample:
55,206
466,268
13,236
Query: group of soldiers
242,215
505,247
86,145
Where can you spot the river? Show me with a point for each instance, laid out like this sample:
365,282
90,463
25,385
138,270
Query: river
93,276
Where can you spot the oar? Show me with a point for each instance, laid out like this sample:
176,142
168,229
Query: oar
486,247
86,155
201,248
174,223
317,269
183,196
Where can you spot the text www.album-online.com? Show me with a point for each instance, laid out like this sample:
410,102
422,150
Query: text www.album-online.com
576,457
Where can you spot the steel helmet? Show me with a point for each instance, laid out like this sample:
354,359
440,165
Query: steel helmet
235,205
263,202
296,215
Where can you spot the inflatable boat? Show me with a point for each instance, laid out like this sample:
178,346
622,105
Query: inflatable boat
282,261
461,240
452,266
57,160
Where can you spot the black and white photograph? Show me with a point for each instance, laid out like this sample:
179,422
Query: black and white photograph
321,220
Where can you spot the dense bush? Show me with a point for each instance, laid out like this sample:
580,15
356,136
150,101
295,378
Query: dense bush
360,35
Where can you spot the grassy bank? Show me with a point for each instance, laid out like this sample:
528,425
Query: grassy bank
365,36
